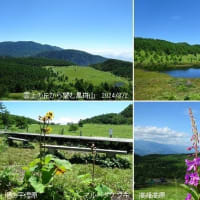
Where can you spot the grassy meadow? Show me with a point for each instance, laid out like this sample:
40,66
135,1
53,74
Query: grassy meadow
172,191
16,158
92,130
89,74
149,170
159,86
152,57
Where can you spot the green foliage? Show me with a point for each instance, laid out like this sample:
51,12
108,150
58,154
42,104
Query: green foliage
101,160
160,86
117,67
125,117
160,55
192,190
162,46
91,191
73,127
80,123
3,145
21,123
5,118
8,180
29,77
40,173
158,166
33,76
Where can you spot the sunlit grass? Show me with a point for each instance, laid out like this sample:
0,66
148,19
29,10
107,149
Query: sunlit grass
160,86
98,130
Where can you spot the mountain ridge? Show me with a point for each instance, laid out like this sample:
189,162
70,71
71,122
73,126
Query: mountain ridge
24,48
79,57
147,147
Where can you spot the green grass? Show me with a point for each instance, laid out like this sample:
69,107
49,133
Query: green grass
172,191
160,86
98,130
15,96
91,75
117,179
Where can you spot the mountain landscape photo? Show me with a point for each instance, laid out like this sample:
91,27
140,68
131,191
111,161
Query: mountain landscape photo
63,60
163,145
75,129
167,58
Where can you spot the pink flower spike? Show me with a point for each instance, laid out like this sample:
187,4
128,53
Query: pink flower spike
189,197
189,148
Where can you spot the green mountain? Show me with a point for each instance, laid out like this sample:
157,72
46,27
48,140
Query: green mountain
158,55
163,46
124,117
15,118
168,167
117,67
78,57
24,48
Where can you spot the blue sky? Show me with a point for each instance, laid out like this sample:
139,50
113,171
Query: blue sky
165,122
173,20
65,111
98,26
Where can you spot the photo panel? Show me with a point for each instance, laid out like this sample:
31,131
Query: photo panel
166,50
66,50
166,150
66,150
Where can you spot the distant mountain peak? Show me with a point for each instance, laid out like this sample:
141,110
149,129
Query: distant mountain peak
24,48
143,147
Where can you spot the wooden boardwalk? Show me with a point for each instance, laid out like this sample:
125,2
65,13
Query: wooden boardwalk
121,143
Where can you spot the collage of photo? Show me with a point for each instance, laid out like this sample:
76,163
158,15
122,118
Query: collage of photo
100,100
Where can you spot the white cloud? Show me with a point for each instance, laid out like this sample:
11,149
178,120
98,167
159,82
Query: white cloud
123,55
163,135
65,120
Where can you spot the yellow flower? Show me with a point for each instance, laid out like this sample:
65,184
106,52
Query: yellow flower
44,119
60,171
47,130
50,115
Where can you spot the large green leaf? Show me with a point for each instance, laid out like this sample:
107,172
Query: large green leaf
63,164
48,158
103,190
47,175
191,190
34,162
39,187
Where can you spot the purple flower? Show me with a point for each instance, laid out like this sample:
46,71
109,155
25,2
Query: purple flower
189,148
187,178
194,179
189,197
192,164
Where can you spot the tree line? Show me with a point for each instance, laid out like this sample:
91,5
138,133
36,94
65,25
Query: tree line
18,75
152,54
158,166
7,120
117,67
124,117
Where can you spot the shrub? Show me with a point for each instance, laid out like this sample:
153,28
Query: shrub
8,180
73,127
